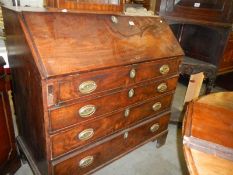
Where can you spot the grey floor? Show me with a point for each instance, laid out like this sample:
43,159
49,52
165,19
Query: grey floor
148,160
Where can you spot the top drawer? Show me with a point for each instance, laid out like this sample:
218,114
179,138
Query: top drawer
114,78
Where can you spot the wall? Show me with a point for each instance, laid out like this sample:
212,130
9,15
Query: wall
6,2
33,3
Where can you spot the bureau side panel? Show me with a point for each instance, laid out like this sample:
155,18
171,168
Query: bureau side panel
27,90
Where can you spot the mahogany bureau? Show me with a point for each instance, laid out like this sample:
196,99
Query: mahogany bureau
89,88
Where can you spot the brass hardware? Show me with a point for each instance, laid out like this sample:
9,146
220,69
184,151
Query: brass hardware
131,23
131,93
86,134
50,97
114,19
127,112
86,161
126,134
87,111
157,106
132,73
154,127
164,69
87,87
162,87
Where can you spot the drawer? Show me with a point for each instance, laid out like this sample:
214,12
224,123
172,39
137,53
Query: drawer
114,78
103,152
91,131
83,111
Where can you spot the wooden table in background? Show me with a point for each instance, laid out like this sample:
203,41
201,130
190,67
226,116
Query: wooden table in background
208,135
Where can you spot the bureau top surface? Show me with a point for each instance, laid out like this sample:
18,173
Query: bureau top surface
69,43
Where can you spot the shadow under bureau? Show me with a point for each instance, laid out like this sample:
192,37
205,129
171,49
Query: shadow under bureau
88,88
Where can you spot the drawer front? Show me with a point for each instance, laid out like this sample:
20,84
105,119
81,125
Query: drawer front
83,111
90,131
115,78
113,147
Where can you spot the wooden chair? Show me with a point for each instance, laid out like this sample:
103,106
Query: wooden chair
191,66
203,46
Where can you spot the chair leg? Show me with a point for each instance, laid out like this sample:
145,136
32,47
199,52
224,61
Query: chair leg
210,85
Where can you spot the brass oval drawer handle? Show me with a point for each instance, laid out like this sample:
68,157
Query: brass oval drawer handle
86,161
87,87
127,111
132,73
126,134
86,134
131,93
162,87
114,19
154,127
157,106
164,69
87,111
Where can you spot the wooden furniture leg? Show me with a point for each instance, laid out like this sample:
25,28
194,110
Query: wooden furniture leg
161,140
210,84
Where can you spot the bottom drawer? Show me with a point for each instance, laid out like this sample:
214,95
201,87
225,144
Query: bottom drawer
102,152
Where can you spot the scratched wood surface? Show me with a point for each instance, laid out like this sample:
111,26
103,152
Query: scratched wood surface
94,41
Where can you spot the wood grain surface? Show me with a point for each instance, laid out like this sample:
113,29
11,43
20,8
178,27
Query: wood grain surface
208,135
84,48
51,53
